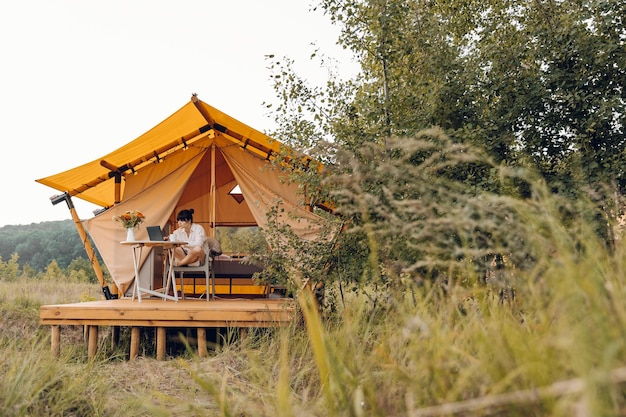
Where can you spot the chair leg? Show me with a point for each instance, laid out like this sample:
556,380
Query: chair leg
182,284
213,283
206,288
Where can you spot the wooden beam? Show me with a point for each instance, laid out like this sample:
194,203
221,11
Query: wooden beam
91,254
134,342
202,350
93,342
244,142
55,340
130,166
160,343
115,336
154,313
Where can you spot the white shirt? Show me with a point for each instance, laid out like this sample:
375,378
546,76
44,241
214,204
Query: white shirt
196,236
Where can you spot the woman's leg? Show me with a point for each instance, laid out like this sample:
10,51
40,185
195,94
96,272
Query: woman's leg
179,255
194,254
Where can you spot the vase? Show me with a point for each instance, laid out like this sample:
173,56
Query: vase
130,235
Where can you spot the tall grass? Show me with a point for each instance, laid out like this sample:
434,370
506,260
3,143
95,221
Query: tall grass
556,350
34,383
554,345
543,336
461,349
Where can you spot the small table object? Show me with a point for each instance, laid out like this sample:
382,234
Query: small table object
169,247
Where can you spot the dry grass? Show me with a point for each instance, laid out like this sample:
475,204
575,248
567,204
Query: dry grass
415,352
557,349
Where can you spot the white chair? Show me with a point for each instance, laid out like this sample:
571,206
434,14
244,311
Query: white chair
212,248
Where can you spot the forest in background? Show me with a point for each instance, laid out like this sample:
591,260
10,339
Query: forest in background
35,247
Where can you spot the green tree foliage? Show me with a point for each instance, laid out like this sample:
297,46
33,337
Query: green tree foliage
532,80
28,271
10,270
53,272
292,260
241,239
523,93
80,270
34,247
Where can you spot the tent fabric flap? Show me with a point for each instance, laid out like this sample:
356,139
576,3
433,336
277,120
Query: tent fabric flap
156,202
264,188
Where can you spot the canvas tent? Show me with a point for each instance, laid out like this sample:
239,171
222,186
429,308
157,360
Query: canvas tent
193,159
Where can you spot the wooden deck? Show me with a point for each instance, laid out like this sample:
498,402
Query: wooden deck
241,313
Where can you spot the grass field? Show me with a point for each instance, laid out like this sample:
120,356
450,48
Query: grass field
556,349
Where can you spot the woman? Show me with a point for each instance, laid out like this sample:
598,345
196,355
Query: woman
192,253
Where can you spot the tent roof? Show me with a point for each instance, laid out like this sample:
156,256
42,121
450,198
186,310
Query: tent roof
95,180
192,159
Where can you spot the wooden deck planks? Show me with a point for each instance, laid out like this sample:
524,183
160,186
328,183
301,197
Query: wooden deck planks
261,312
189,313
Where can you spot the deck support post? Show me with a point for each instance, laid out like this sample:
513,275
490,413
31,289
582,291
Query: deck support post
199,320
134,343
93,342
160,343
202,351
55,340
115,336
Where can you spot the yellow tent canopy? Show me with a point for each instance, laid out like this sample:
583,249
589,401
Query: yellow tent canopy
200,158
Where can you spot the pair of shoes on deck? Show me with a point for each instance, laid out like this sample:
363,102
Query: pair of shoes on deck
196,263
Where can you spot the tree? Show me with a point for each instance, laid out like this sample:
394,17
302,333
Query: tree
536,80
536,85
82,269
39,243
9,271
53,272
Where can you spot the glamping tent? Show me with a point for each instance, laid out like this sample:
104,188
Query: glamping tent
197,158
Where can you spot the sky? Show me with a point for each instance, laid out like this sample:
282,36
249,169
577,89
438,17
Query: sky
78,79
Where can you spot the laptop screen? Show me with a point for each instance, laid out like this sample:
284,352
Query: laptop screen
155,233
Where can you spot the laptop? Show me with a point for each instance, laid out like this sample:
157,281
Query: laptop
155,233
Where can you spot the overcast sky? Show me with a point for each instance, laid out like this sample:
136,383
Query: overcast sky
82,78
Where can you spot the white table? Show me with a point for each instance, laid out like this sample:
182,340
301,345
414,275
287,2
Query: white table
169,247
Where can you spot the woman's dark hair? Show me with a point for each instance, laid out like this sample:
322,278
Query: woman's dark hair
185,215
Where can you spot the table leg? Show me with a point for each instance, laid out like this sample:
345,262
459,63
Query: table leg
136,258
164,292
171,280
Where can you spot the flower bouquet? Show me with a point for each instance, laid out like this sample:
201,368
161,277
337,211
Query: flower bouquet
130,221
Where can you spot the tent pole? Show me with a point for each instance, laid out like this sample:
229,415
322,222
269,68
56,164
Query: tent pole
130,166
212,201
118,187
91,254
